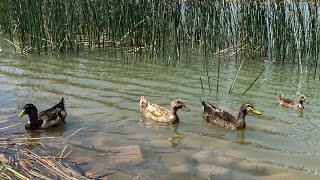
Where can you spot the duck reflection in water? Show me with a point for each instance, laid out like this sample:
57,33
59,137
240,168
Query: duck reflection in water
226,134
175,139
33,139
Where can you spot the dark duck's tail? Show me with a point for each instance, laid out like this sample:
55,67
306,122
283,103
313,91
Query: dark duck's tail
207,111
205,107
60,109
61,103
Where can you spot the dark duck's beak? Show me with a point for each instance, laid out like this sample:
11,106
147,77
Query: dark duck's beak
22,113
256,111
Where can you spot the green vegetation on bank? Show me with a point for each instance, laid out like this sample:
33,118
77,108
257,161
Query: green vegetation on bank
281,30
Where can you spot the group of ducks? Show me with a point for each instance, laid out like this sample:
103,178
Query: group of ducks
211,113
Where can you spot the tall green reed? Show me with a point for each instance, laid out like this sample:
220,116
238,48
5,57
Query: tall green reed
169,31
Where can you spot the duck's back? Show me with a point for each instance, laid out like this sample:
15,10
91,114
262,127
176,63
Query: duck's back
156,113
283,101
219,117
53,116
223,119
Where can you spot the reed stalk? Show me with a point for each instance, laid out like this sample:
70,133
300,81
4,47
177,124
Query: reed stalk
235,77
254,81
201,85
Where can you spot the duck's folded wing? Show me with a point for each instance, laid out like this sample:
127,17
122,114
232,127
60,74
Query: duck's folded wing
286,100
215,110
224,115
57,112
156,110
48,115
53,113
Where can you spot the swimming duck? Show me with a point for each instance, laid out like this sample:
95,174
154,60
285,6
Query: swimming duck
44,119
224,119
160,114
283,101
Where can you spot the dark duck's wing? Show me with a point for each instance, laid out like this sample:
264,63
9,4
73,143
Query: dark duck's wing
53,115
215,115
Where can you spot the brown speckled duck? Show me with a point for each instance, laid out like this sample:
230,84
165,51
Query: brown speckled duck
160,114
44,119
224,119
283,101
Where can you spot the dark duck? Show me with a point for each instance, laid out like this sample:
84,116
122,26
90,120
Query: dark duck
215,115
45,119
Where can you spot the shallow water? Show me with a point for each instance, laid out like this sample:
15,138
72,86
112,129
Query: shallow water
102,98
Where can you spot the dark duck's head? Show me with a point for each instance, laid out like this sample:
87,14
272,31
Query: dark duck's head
249,108
29,109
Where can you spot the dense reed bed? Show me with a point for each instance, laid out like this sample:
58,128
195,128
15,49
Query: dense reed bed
173,30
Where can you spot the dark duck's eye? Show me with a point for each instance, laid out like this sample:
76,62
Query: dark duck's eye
249,106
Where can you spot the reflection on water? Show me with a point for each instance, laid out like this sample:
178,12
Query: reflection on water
175,139
102,97
241,136
33,138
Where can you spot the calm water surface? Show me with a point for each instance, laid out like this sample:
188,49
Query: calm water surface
102,98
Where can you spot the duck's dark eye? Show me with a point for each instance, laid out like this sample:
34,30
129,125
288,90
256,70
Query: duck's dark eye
249,105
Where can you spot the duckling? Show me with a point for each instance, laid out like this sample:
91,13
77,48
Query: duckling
224,119
44,119
283,101
160,114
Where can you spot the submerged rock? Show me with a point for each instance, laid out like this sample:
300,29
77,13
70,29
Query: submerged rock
124,154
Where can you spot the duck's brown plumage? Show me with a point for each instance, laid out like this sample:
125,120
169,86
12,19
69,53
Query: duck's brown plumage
160,114
44,119
224,119
283,101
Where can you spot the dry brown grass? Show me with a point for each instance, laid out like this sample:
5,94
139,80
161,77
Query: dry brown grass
26,158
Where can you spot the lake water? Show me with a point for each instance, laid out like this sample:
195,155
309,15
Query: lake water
102,99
